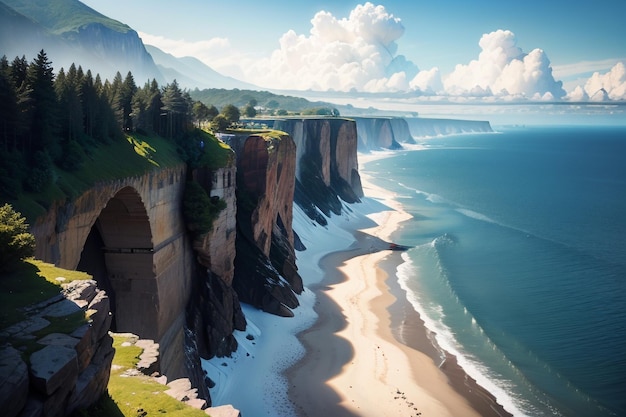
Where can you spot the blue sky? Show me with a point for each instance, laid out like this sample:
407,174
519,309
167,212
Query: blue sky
571,39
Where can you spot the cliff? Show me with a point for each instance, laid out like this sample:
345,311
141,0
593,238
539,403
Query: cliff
265,271
377,133
326,163
426,127
216,312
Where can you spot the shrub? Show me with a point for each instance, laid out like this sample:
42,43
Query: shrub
199,209
16,243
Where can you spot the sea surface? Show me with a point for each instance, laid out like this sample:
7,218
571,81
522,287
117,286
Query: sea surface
518,263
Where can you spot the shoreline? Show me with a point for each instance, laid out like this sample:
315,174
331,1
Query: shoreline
369,353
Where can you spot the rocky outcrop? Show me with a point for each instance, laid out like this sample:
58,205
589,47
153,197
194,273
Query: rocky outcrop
326,164
67,371
265,271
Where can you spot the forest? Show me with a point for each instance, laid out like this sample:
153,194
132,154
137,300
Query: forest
50,120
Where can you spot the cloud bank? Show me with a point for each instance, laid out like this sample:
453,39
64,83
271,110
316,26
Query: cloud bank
360,54
603,87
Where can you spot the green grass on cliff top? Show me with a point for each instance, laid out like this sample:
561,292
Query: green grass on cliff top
137,395
132,156
32,282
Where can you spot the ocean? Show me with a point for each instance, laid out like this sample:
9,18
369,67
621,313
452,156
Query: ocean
518,260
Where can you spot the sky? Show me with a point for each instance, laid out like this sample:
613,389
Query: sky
487,50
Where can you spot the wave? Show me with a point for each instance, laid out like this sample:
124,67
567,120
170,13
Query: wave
443,337
478,216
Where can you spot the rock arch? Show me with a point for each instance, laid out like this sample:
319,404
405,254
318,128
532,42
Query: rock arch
119,254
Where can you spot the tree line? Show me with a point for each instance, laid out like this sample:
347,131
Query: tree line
48,119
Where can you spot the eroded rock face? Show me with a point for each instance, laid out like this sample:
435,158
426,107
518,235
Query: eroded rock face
265,272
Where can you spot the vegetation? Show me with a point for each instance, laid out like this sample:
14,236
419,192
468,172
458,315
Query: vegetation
260,103
199,209
53,15
31,282
138,395
16,243
59,135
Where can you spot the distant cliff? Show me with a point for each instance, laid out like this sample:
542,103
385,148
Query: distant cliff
326,164
426,127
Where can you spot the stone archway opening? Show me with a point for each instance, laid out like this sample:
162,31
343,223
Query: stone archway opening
118,253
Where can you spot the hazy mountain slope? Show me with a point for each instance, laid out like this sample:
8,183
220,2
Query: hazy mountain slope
191,73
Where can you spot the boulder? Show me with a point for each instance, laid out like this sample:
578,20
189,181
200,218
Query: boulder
13,382
52,367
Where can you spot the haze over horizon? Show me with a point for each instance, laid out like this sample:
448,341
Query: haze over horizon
540,51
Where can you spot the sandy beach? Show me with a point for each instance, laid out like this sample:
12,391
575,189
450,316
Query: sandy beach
356,347
368,353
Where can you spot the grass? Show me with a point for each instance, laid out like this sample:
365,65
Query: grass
138,395
216,153
31,283
133,156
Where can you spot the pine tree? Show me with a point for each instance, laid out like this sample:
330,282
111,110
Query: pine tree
40,81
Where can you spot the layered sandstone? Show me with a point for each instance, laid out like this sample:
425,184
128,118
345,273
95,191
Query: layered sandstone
217,312
265,272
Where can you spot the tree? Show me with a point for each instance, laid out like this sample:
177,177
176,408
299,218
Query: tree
219,123
249,111
176,108
40,81
200,113
231,113
16,243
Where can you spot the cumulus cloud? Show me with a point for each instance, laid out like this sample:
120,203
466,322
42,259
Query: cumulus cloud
608,86
503,69
427,81
355,53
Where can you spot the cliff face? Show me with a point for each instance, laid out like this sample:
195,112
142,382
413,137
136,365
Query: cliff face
216,312
326,163
265,271
376,133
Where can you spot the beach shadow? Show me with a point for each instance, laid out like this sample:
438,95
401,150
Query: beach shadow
326,352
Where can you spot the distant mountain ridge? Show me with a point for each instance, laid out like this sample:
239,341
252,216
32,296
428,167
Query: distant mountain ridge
192,73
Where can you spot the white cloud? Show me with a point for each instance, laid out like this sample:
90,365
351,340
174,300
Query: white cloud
354,53
610,85
427,81
503,69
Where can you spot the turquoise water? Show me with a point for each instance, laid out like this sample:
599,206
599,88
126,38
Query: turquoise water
519,260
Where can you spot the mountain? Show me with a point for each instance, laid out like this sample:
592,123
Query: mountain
71,32
192,73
